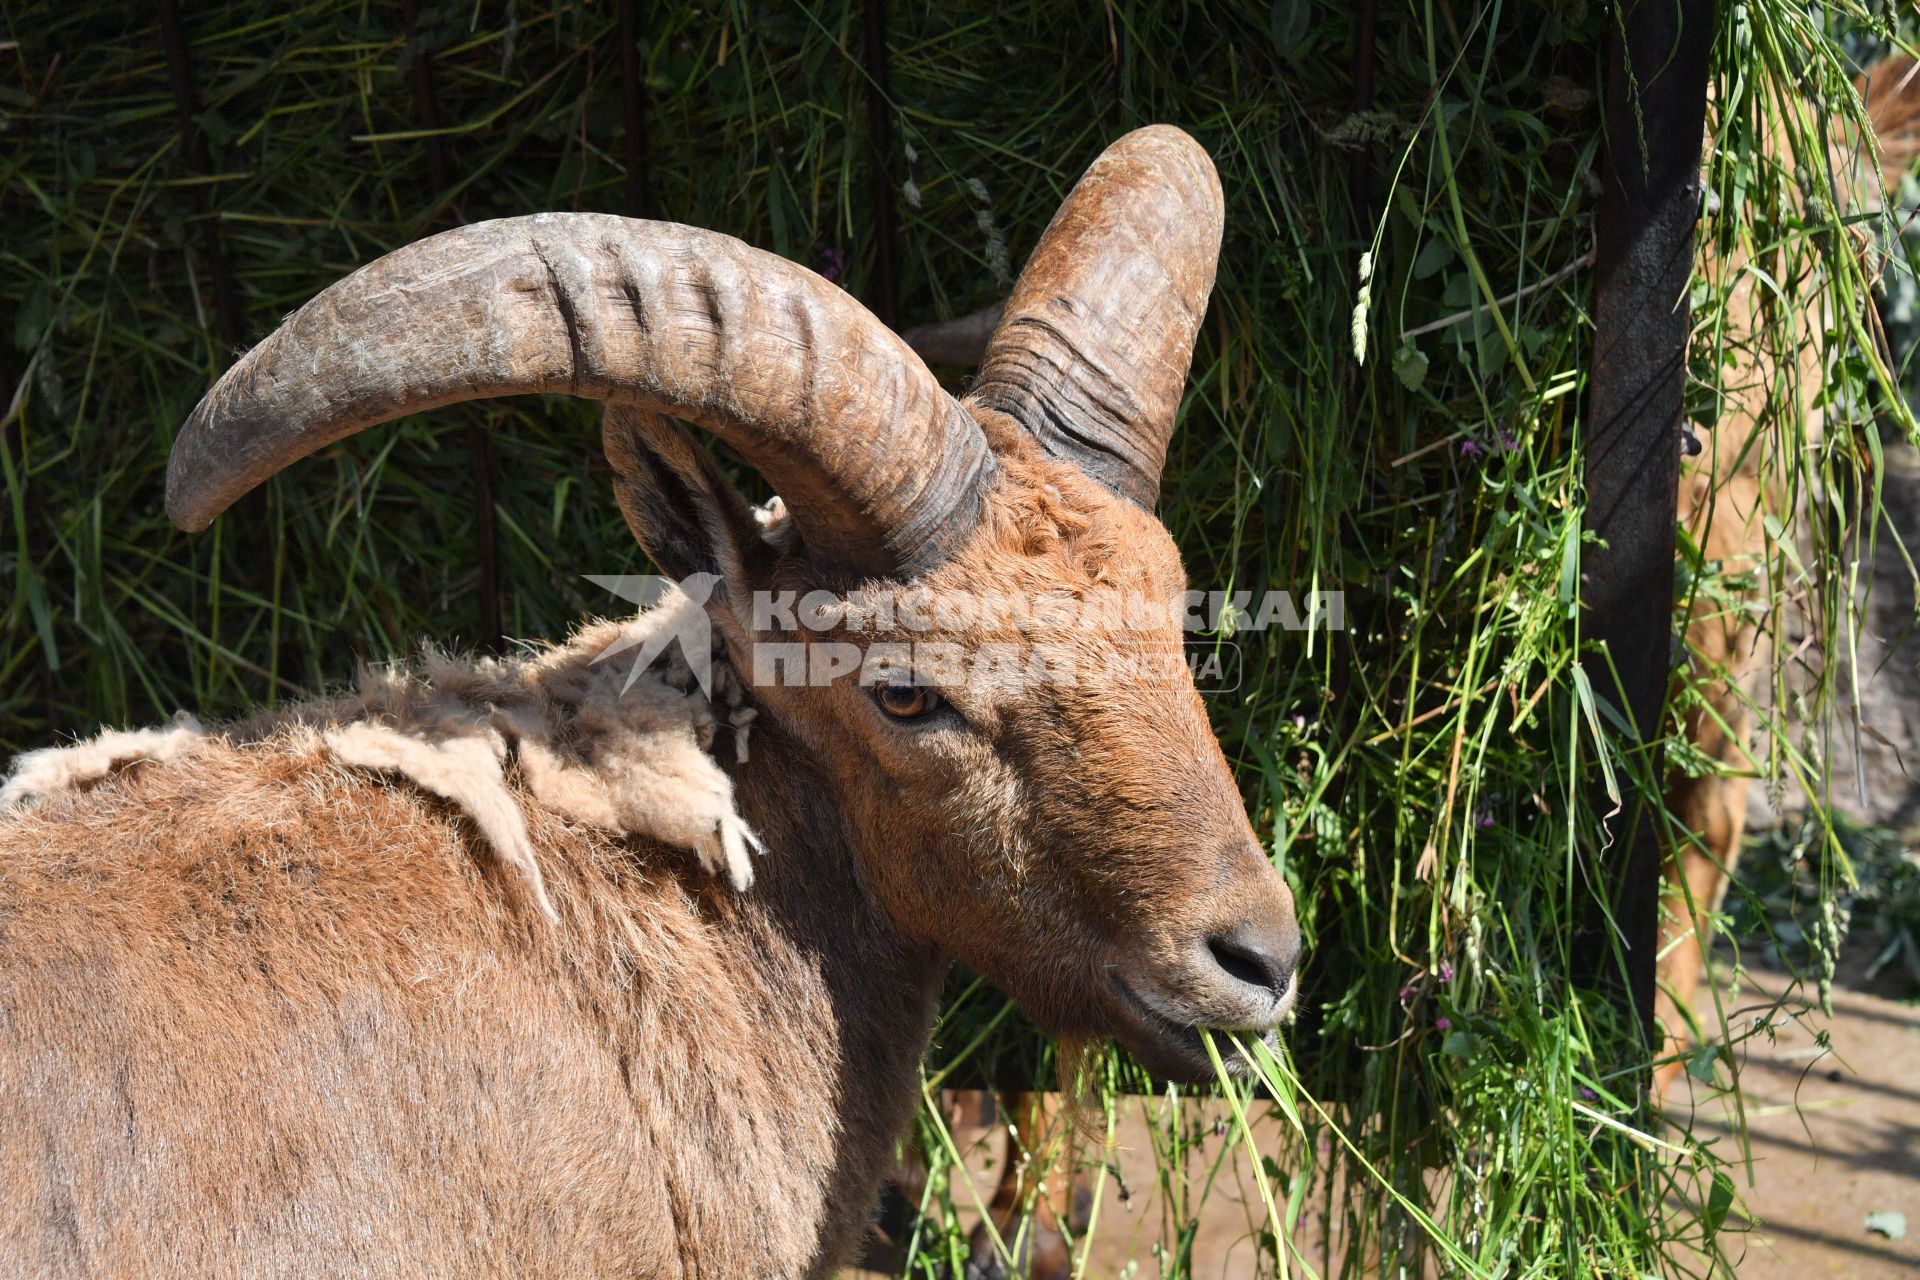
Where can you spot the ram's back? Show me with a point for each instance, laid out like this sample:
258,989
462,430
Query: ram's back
261,1016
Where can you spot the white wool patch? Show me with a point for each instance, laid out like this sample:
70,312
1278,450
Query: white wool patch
465,770
584,734
657,782
589,737
39,775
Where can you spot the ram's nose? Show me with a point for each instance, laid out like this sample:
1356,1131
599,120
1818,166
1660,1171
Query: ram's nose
1241,966
1258,955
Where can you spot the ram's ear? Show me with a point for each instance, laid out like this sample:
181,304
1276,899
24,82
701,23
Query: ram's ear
684,512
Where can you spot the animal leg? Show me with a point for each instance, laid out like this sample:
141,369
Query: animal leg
1710,811
1038,1197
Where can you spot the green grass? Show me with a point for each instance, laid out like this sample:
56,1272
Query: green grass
1422,777
1791,921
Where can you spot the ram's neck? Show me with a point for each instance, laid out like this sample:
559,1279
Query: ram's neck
843,1004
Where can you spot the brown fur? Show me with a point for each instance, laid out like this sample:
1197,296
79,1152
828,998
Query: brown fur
264,1015
1045,782
378,1066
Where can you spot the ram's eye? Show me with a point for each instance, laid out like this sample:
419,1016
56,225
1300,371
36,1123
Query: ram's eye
907,701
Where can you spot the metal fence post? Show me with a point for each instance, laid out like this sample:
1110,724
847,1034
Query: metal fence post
1656,95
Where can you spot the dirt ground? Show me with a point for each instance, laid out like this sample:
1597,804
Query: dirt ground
1835,1136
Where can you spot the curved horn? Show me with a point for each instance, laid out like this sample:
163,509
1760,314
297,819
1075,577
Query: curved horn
1093,350
880,467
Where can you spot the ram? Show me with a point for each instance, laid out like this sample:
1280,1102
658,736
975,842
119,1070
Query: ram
422,979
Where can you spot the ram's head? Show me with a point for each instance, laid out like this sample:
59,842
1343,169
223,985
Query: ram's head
967,615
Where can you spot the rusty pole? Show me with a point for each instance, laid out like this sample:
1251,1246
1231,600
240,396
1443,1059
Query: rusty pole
199,162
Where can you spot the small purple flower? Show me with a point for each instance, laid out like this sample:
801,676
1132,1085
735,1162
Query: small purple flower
1406,993
1471,449
1588,1094
1446,972
1508,443
1443,1024
833,262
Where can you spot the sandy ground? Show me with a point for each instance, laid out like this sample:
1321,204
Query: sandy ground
1835,1136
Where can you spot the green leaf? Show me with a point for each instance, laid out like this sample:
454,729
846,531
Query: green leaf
1569,570
1288,23
31,320
215,126
1410,366
1583,690
1719,1200
1701,1061
1435,254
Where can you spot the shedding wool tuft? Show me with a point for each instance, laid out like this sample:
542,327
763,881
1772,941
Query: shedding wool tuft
38,775
574,728
464,769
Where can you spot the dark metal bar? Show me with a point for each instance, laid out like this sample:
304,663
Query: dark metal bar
1360,206
426,111
199,161
486,533
885,293
255,558
633,95
426,105
1360,163
1655,113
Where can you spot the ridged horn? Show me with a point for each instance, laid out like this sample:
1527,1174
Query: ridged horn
1093,350
881,469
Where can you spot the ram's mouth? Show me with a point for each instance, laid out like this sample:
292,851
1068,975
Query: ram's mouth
1173,1049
